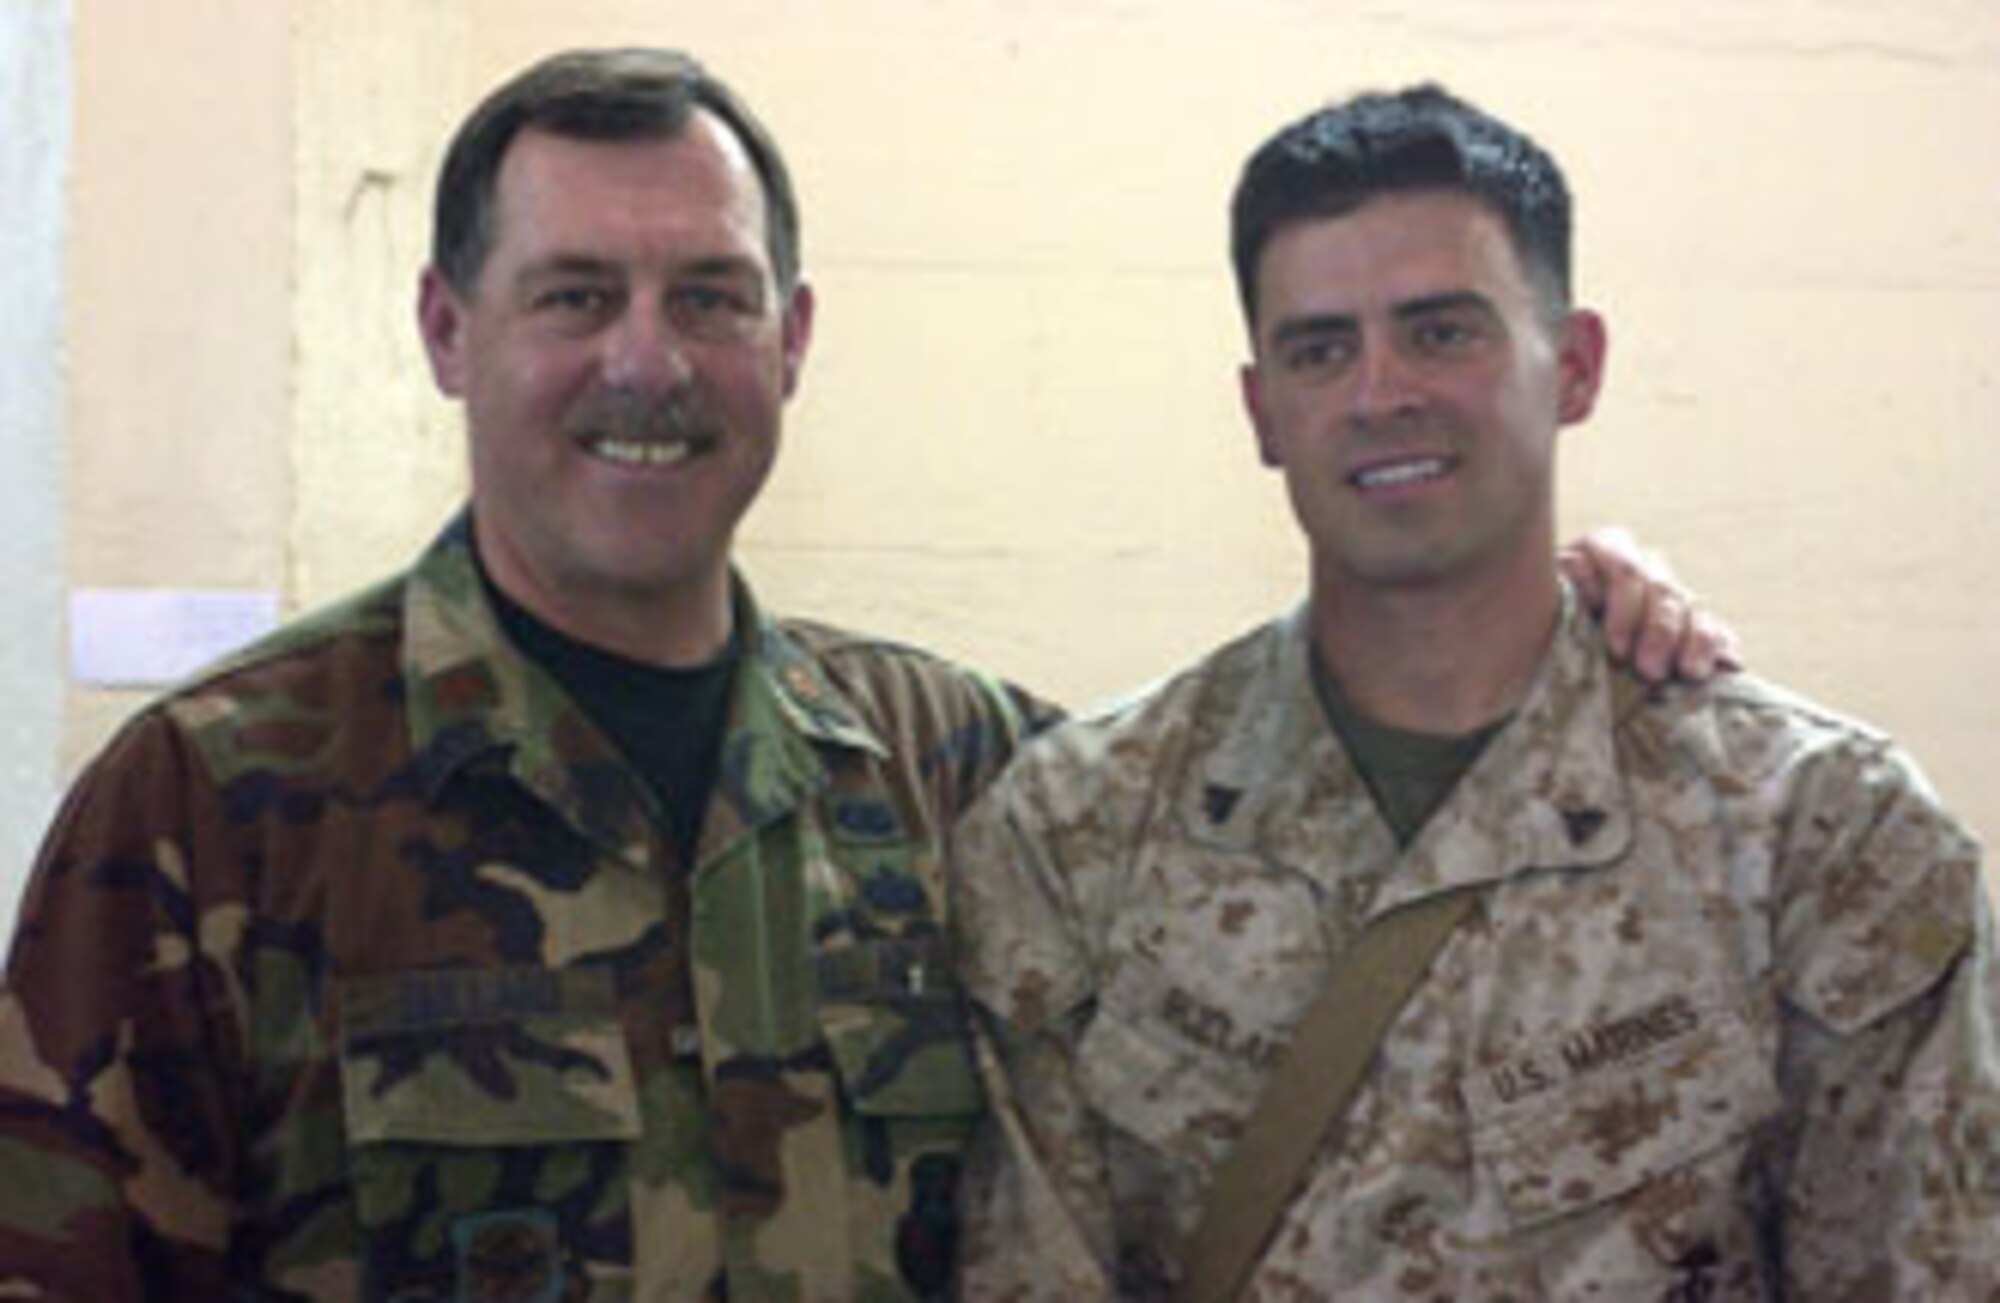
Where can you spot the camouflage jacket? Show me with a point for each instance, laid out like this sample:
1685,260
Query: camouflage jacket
1721,1025
360,968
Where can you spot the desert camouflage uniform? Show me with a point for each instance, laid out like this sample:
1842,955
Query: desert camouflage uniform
361,968
1721,1025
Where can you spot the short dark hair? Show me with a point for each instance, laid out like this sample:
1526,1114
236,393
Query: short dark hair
1336,158
621,94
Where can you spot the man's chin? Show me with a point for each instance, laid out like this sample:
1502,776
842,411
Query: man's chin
1405,568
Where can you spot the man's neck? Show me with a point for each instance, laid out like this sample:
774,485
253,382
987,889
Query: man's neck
679,631
1447,658
687,625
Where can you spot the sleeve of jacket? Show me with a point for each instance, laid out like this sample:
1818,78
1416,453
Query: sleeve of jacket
117,1131
957,727
1891,1185
1037,1215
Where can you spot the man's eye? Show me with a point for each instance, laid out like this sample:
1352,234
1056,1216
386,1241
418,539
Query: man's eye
1314,357
713,311
703,298
706,300
1443,335
582,300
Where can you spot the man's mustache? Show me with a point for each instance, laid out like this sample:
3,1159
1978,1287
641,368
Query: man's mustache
656,418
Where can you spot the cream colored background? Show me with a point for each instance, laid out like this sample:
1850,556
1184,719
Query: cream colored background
1019,439
34,152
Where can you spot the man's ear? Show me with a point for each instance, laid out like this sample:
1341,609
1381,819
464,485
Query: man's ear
1581,345
1250,382
441,321
797,328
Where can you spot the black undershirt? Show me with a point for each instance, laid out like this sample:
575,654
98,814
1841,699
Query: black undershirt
668,723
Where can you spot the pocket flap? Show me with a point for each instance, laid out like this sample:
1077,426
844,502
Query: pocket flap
1605,1110
485,1057
895,1023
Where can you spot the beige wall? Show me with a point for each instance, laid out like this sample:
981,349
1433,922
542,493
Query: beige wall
34,171
1019,440
180,308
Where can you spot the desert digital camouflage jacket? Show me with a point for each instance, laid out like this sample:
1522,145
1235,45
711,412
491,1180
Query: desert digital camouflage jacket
1720,1026
360,969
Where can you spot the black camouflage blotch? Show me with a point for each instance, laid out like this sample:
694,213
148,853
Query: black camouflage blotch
893,893
392,1264
845,921
143,875
507,827
926,1021
1695,1272
482,1052
770,1068
166,1081
451,748
1219,802
866,820
927,1231
878,1153
1582,825
968,751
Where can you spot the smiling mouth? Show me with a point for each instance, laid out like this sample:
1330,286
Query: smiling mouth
1398,474
646,453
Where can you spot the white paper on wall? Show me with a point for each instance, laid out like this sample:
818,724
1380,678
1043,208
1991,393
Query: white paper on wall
142,637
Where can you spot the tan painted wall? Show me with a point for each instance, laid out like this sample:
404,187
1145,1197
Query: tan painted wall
180,310
1019,440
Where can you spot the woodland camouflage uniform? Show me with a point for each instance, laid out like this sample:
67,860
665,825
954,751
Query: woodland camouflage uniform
362,968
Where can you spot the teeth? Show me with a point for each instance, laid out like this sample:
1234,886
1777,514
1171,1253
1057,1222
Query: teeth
1402,472
631,452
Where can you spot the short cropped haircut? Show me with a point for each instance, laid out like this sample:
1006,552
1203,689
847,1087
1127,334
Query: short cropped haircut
1337,158
598,95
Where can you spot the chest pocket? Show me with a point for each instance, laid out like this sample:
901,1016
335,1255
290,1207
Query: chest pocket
1641,1130
488,1114
895,1021
1170,1075
889,1003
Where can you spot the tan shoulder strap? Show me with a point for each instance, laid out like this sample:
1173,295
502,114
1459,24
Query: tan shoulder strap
1309,1091
1319,1072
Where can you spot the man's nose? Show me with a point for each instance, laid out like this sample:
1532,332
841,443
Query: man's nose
644,354
1386,383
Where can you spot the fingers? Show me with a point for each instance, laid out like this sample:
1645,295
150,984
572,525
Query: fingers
1616,576
1575,563
1662,643
1725,651
1677,639
1624,611
1651,620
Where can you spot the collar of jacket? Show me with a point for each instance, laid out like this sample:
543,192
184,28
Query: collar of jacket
474,700
1546,793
